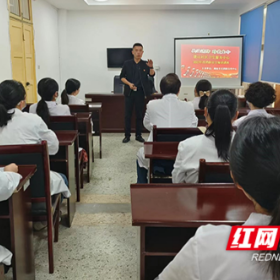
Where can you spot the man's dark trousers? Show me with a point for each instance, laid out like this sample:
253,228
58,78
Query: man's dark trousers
137,100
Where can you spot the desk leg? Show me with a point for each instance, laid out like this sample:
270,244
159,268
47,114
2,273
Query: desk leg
142,252
90,157
71,202
22,236
100,134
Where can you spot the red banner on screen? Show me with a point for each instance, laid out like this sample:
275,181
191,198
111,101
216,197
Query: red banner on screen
202,61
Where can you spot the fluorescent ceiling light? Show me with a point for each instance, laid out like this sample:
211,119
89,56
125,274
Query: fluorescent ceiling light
149,2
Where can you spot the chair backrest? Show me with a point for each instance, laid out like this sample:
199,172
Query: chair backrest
27,107
64,123
31,155
118,85
174,134
214,172
273,111
200,114
79,108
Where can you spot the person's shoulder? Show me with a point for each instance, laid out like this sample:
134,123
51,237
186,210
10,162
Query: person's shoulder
187,104
192,142
154,102
63,108
127,62
32,119
239,121
32,108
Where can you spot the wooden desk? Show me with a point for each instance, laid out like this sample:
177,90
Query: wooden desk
170,214
64,162
85,139
16,227
113,110
96,113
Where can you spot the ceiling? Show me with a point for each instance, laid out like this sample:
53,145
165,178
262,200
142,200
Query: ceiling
152,4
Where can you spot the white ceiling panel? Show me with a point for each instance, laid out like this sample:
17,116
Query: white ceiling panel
153,4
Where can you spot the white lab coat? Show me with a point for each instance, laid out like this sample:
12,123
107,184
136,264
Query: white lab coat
26,128
190,151
195,103
169,111
205,257
5,256
251,114
74,100
55,109
8,183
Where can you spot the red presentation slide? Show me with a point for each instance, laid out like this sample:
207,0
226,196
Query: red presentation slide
198,61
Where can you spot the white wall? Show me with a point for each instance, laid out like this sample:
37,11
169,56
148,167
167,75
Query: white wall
252,6
45,21
89,34
5,46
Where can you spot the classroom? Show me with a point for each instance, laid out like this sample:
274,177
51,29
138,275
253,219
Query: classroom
139,139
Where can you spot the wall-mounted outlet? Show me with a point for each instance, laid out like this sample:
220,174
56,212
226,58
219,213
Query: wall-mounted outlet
157,68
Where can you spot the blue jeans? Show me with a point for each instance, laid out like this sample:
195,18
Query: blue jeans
142,174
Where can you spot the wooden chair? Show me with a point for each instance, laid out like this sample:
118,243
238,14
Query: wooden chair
201,118
160,170
273,111
44,206
70,123
86,139
174,134
214,172
26,109
79,108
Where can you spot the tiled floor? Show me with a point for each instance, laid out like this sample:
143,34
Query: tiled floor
101,244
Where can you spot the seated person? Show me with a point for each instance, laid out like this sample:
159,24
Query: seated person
213,146
202,92
47,106
18,128
48,90
69,95
169,111
9,180
255,170
258,96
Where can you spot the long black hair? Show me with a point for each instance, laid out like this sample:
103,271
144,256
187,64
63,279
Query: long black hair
71,86
47,89
40,85
255,165
203,86
11,93
222,107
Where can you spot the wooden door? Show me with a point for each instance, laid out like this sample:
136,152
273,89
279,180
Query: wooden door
30,85
17,51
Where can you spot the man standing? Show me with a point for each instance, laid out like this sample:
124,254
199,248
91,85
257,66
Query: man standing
134,75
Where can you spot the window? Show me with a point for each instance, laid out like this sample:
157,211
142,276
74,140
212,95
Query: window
14,7
25,9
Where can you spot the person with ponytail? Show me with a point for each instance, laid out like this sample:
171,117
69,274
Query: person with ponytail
202,92
220,113
18,128
69,95
47,106
255,169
